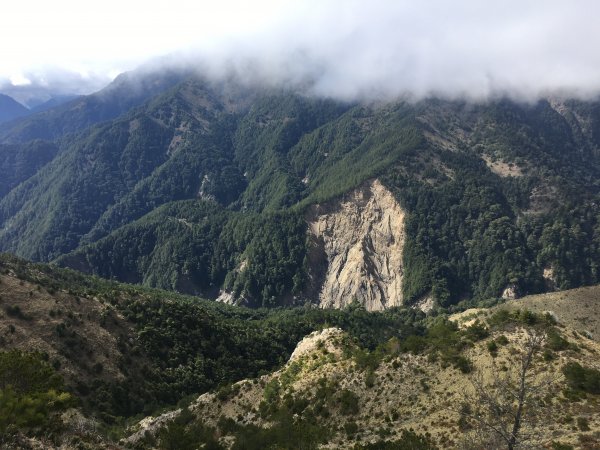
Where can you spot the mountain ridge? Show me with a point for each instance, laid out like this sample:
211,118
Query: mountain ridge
496,194
10,109
249,376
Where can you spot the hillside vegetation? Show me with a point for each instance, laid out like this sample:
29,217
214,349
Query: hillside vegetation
124,350
449,388
114,353
499,197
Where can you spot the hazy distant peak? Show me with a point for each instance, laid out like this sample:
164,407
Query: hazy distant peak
11,109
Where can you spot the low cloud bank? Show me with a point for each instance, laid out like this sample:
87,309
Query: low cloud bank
351,49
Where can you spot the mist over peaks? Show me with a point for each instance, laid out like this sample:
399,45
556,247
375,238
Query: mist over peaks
469,49
347,50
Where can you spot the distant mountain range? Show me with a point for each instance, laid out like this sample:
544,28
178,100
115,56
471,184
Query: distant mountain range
11,109
268,196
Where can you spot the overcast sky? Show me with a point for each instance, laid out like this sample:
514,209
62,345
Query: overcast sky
343,48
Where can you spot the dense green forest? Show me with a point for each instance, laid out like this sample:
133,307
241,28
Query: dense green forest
200,188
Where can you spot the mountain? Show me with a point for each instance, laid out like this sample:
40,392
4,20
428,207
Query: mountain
124,350
268,197
333,394
18,162
53,102
11,109
127,91
91,357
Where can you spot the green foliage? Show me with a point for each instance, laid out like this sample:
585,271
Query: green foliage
582,379
18,162
554,341
15,311
492,347
476,331
583,423
522,317
442,339
561,446
463,238
27,372
185,433
196,247
348,402
286,431
502,340
261,160
187,346
366,360
31,393
32,411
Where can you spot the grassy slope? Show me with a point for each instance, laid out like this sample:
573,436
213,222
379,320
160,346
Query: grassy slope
404,392
579,309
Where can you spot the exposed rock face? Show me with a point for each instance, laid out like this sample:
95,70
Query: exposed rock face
549,278
150,426
425,304
310,343
358,242
510,292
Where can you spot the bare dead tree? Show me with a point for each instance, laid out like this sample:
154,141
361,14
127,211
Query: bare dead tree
502,409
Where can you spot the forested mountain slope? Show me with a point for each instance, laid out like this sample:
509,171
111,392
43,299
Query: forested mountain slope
128,90
210,189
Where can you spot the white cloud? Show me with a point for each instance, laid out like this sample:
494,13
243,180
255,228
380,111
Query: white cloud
19,80
345,48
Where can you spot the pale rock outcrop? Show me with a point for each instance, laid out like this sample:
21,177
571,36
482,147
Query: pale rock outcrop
150,426
425,304
226,297
549,278
510,292
357,249
325,338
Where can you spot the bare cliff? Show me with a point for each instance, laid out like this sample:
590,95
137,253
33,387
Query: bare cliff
357,244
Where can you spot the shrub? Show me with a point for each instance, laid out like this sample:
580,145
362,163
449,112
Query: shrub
560,446
465,365
186,433
583,424
348,402
350,428
30,392
492,347
582,379
367,360
15,311
370,379
27,373
477,331
554,341
502,340
408,440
